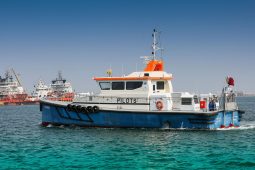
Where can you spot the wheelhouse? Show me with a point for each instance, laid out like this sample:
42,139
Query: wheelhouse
148,83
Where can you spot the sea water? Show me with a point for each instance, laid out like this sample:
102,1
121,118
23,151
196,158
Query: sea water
24,144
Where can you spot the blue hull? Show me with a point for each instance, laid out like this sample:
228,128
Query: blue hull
58,115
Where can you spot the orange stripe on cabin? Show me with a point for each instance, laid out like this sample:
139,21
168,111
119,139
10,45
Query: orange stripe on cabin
130,78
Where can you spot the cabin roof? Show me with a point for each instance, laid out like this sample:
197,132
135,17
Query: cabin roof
155,75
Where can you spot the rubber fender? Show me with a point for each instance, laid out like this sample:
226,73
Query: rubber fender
90,109
96,109
73,108
78,109
84,110
69,107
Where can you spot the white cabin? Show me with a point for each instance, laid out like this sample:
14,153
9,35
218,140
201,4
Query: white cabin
147,90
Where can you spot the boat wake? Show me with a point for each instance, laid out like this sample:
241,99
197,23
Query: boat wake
244,126
248,125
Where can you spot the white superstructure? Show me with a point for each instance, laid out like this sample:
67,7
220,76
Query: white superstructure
10,86
60,85
148,90
41,90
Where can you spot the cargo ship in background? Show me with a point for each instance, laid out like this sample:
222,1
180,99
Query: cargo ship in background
13,93
41,91
59,90
11,90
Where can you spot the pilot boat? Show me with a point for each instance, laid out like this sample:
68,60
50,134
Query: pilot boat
145,99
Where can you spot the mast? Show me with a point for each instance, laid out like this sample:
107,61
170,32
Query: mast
152,63
17,77
60,75
155,43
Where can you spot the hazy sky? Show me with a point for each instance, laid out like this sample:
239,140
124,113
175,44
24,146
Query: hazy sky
203,40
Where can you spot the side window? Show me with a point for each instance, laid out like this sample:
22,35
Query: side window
186,101
105,85
133,85
118,85
160,85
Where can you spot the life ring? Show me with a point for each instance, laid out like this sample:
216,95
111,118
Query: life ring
159,105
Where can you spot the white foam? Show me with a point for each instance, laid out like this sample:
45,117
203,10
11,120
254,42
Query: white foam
247,125
49,126
244,126
61,126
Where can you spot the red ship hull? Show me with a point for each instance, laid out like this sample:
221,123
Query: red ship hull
67,97
15,99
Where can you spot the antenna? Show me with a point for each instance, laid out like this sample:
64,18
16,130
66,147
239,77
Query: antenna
122,69
146,59
60,75
152,62
155,44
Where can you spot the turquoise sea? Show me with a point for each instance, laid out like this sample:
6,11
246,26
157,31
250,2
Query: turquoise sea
24,144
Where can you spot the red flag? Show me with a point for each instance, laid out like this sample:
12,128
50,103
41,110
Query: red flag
231,81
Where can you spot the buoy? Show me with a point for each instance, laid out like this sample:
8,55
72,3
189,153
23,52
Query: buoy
96,109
